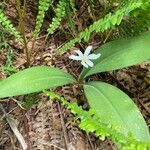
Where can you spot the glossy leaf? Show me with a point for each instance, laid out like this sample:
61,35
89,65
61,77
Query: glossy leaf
115,107
120,53
34,79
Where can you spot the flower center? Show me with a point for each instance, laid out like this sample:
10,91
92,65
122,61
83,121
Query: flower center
84,58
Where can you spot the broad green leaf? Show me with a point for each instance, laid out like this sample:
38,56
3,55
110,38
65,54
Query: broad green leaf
120,53
115,107
34,79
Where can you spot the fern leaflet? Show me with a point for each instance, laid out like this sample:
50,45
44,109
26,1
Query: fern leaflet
60,13
43,7
8,26
109,21
90,122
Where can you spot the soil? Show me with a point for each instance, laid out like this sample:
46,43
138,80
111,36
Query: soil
48,125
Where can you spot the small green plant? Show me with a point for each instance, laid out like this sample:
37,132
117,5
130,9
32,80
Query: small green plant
29,101
8,26
3,39
113,114
111,106
8,67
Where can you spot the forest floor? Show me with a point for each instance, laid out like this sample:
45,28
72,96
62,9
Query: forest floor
47,125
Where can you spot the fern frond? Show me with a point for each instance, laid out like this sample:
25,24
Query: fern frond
42,9
141,22
3,39
90,122
8,26
136,23
69,16
60,13
109,21
72,4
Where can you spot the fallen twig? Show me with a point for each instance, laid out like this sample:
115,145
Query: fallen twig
14,128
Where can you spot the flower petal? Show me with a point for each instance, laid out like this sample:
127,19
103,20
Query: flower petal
79,53
94,56
89,63
88,50
74,57
84,64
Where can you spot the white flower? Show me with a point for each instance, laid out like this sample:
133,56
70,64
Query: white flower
86,57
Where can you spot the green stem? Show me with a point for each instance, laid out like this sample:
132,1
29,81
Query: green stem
22,14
